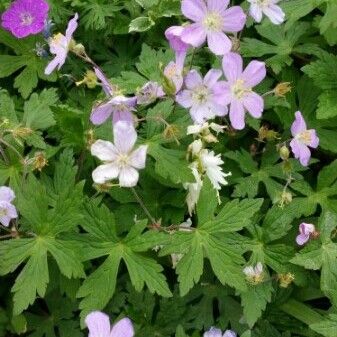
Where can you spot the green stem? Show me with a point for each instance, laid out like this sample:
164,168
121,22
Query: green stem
142,205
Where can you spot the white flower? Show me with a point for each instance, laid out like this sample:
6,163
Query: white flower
268,8
120,161
7,210
195,147
214,332
255,274
193,189
211,163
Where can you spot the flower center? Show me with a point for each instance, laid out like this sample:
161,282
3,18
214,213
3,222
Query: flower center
213,22
200,94
263,3
26,19
239,90
3,211
171,71
123,160
304,137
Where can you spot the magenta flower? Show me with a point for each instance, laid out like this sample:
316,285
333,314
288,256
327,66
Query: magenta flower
306,230
203,96
7,210
303,139
59,45
98,325
120,160
120,107
214,332
267,7
25,17
173,35
106,85
237,91
211,20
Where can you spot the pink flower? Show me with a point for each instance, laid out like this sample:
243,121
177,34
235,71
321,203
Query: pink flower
237,91
120,160
214,332
25,17
173,35
211,19
120,107
306,230
7,210
267,7
59,46
303,139
98,324
202,96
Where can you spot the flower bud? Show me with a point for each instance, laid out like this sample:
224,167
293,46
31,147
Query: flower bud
282,89
22,132
78,48
284,152
90,80
285,279
39,161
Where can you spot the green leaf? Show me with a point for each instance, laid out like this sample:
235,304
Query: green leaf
141,24
326,327
327,106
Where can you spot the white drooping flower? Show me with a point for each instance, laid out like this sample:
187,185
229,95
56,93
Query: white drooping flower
268,8
204,131
193,189
120,160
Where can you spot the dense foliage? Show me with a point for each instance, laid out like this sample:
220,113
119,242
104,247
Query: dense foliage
229,225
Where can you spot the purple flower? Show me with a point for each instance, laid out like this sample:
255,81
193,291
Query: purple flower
120,160
98,324
214,332
211,19
237,91
25,17
7,210
202,96
106,85
119,107
174,70
303,139
306,230
173,35
149,93
267,7
59,46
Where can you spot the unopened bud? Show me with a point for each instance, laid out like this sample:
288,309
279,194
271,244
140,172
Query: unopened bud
282,89
22,132
266,134
39,161
78,48
285,279
284,152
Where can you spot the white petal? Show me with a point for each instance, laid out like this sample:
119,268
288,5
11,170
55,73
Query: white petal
125,136
98,324
104,173
138,157
6,194
128,177
104,150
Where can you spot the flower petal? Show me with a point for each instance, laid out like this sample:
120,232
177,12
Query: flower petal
254,73
138,157
222,93
212,77
314,142
234,19
229,333
101,113
217,6
219,43
184,98
255,12
232,66
275,14
123,328
213,332
254,103
237,115
199,113
104,173
299,125
193,79
194,35
6,194
128,177
125,136
98,324
104,150
302,239
194,9
300,151
72,26
53,64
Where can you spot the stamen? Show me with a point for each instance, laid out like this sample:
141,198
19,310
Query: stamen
200,94
26,19
239,90
213,22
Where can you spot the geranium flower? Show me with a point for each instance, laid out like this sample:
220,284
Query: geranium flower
174,71
98,324
59,45
106,85
202,96
214,332
173,35
120,107
237,91
211,20
120,160
254,275
25,17
149,93
7,209
268,8
306,230
303,139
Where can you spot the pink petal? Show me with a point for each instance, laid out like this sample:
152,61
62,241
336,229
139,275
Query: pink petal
219,43
301,239
212,77
104,150
213,332
254,73
222,93
98,324
194,10
173,35
6,194
128,177
217,6
255,12
306,228
300,151
229,333
234,19
52,65
254,104
104,173
184,98
123,328
105,82
120,115
101,113
219,110
5,220
194,35
125,136
138,157
72,26
299,125
314,139
193,79
232,66
237,115
275,14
